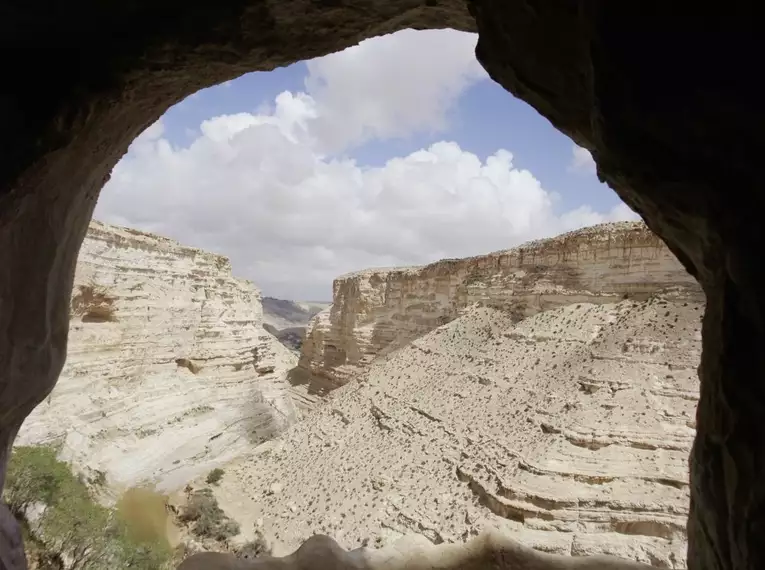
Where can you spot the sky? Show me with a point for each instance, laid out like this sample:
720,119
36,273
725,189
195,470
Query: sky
398,151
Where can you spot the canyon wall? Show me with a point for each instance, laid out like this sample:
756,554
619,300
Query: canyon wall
377,310
169,370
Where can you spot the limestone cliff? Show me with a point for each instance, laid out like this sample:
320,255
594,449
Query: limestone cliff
377,310
169,370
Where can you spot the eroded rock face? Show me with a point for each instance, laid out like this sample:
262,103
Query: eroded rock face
169,370
376,311
569,431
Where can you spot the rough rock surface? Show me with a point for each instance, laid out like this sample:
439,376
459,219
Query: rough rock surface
378,310
570,430
673,123
169,371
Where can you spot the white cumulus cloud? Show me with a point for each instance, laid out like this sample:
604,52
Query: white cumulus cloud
391,86
273,191
581,160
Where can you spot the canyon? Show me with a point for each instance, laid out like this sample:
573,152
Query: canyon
379,310
678,144
544,393
169,370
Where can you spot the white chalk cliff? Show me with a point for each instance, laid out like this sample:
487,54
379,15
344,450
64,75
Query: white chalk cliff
169,370
378,310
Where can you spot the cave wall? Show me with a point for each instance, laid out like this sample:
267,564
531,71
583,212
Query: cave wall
661,93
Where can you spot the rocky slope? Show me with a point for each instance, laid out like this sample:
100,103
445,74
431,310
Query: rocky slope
570,430
379,310
169,369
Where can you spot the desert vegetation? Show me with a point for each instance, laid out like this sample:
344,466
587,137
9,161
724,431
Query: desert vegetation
66,529
253,548
214,476
205,517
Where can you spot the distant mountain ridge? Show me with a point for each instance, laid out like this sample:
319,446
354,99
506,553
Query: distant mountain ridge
287,320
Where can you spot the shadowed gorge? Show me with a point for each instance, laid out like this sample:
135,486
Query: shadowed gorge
662,94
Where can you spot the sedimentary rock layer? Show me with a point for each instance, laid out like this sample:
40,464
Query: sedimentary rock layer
169,370
569,430
377,310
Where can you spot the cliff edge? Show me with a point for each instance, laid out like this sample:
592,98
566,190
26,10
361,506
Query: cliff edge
378,310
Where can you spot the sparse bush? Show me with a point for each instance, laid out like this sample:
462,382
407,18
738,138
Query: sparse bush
199,502
209,519
254,548
214,476
226,529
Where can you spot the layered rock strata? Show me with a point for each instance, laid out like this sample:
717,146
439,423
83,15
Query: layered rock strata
378,310
169,370
569,430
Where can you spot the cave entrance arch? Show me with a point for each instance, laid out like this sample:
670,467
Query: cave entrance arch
659,93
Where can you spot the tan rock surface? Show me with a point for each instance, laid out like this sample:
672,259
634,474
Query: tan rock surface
569,430
378,310
169,371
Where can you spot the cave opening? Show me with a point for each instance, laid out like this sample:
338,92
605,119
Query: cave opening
677,143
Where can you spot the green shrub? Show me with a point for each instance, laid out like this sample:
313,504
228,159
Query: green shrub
200,503
73,527
209,519
214,476
34,475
